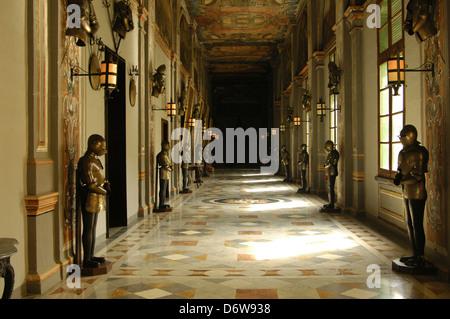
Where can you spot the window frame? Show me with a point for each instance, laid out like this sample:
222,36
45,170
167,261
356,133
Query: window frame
333,127
391,51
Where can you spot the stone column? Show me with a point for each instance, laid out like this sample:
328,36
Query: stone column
143,102
344,58
355,17
42,198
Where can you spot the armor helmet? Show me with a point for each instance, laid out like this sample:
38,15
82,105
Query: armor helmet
124,19
88,22
329,145
97,145
165,145
408,135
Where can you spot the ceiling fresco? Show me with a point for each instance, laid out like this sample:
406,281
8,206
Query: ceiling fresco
242,34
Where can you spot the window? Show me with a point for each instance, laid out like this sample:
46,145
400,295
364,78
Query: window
391,111
333,112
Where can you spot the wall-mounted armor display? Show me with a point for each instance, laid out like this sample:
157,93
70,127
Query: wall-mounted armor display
88,22
123,18
159,81
419,20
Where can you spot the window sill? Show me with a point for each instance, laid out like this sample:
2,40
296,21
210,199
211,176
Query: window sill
386,180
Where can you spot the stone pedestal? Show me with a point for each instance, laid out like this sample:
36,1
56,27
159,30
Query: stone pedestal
102,270
400,267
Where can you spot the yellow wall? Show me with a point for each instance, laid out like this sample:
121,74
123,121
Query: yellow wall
13,130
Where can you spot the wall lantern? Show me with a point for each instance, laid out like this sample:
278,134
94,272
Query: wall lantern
396,72
298,121
171,109
108,75
321,109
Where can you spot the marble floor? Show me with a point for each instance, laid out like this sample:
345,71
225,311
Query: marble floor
244,235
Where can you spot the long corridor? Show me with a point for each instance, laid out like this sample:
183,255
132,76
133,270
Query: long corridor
244,235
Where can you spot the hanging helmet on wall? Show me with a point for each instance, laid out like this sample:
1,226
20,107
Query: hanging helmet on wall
85,25
123,18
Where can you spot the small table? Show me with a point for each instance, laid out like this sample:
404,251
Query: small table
7,249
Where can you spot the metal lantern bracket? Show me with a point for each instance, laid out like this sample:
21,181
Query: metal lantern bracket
428,66
323,109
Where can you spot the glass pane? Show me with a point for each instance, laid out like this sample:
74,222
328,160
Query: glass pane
396,148
383,75
332,119
384,156
384,38
397,101
397,126
384,129
384,12
396,6
397,29
384,102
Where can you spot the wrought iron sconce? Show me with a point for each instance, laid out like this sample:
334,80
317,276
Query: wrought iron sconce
321,109
298,121
134,70
107,74
171,109
396,72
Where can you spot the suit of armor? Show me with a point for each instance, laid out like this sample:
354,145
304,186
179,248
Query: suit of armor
185,166
303,162
285,159
88,22
419,20
412,166
331,171
165,167
92,189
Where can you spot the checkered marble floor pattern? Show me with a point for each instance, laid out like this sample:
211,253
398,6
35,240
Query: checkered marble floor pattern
244,235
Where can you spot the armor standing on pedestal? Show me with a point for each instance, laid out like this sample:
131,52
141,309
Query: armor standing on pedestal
163,161
412,166
331,171
92,188
303,163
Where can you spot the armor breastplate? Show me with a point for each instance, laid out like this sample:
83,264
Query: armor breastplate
413,163
164,163
303,161
331,162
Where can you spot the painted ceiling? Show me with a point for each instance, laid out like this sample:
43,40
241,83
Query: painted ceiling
242,35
